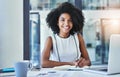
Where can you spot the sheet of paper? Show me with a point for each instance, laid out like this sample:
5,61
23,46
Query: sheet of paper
68,68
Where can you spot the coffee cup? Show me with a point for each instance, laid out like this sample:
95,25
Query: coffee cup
21,68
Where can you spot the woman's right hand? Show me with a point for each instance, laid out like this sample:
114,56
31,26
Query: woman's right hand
80,62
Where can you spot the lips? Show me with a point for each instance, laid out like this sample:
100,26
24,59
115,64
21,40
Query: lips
66,27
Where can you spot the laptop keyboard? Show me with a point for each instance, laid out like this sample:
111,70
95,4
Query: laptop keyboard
99,69
102,69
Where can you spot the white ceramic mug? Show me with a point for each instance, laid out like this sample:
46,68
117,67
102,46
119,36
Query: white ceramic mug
21,68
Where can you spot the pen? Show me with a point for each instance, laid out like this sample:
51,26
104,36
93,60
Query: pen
76,64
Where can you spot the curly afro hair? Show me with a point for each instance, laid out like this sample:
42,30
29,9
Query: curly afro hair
76,16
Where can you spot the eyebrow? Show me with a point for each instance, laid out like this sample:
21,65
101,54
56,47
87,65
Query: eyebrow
64,18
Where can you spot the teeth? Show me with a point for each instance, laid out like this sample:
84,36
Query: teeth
66,27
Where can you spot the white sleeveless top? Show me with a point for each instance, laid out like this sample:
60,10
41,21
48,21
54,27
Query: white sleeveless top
65,49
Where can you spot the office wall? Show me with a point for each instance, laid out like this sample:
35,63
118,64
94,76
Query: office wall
11,32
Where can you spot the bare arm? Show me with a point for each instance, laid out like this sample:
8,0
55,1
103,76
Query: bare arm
84,60
46,55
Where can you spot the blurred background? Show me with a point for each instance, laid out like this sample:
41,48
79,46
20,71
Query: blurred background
29,28
101,20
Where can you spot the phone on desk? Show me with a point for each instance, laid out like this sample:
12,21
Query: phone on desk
6,70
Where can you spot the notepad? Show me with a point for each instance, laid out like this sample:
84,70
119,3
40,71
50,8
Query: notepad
69,68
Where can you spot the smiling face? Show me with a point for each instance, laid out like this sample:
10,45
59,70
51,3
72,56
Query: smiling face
65,23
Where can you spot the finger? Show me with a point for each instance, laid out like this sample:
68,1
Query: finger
76,64
82,62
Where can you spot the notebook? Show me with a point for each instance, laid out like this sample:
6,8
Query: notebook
70,68
113,66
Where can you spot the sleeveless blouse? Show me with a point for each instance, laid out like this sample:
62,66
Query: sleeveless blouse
65,49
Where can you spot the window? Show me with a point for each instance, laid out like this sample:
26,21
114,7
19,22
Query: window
34,36
82,4
109,26
31,35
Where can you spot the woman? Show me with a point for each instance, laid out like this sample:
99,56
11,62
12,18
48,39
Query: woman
66,46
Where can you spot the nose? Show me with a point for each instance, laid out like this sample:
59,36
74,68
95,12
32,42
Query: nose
66,22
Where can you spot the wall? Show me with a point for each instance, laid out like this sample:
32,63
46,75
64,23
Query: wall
45,31
11,32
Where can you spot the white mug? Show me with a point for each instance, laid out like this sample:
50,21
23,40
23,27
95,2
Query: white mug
21,68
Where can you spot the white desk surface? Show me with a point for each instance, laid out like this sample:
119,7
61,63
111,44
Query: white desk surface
48,72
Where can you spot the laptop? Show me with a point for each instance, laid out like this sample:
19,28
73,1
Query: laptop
113,66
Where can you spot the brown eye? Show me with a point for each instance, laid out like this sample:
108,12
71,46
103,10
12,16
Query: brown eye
70,20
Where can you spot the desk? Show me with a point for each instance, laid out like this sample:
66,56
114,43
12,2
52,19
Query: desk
49,72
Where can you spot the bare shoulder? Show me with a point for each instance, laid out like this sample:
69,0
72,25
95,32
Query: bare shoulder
48,44
80,37
49,40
